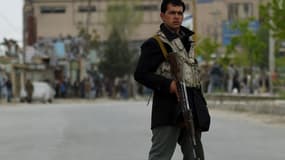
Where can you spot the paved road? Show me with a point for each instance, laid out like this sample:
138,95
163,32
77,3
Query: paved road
120,131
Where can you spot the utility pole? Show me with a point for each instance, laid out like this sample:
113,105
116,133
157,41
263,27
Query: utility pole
215,15
82,60
73,13
194,15
29,34
271,55
271,60
88,16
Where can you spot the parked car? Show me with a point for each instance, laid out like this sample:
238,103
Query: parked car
42,92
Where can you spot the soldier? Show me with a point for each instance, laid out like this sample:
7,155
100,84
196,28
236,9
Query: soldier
153,71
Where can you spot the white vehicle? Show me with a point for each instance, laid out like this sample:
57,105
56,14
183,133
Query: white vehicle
42,92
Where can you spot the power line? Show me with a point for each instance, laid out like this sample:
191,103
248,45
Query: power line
11,26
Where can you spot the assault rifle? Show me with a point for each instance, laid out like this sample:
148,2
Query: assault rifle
188,120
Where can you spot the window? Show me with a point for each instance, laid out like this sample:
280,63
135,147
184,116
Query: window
53,9
116,7
146,7
248,10
205,1
187,7
87,9
233,11
240,10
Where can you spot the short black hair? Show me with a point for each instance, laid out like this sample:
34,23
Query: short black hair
164,4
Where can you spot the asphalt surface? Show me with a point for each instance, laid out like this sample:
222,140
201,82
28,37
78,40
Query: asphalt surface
119,130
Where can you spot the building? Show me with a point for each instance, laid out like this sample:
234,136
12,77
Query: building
50,19
63,17
213,15
47,20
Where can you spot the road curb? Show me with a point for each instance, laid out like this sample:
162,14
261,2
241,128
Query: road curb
273,107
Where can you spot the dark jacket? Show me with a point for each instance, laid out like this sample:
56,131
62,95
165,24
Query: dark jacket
164,107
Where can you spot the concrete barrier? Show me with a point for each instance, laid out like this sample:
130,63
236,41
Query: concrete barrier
241,97
274,107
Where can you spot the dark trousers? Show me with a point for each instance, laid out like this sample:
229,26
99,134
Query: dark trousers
9,95
164,142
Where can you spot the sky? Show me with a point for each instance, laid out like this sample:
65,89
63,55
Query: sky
11,23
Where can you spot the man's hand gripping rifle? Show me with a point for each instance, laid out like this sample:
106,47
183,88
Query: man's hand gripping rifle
188,120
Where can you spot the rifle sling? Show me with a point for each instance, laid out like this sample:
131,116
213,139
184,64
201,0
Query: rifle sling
161,45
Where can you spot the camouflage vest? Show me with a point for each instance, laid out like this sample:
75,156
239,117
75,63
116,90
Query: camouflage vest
187,64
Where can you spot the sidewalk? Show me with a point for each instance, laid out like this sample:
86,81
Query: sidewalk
16,101
263,105
274,107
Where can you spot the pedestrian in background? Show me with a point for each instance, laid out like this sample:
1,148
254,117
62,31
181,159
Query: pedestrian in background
8,85
216,75
87,86
153,71
1,86
76,88
230,77
29,87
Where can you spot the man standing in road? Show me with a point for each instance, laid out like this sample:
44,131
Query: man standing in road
153,71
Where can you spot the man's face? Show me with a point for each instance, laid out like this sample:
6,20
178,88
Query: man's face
173,16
